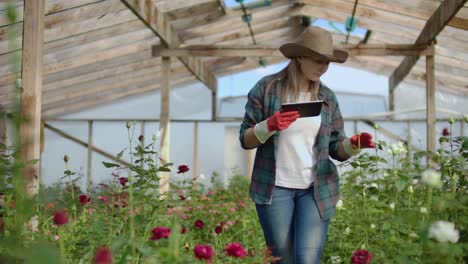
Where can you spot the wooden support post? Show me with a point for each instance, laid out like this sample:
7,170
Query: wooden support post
164,122
195,152
214,103
30,130
89,175
430,103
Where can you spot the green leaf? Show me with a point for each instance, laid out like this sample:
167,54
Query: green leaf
400,185
110,165
33,162
119,155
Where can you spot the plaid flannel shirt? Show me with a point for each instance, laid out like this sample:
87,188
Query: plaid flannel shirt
261,104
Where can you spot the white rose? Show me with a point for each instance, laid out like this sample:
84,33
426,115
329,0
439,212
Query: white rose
423,210
339,205
392,206
444,231
372,226
431,178
397,148
347,230
335,260
410,189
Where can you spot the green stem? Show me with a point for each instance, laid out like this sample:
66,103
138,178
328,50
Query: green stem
365,217
130,194
61,244
429,202
72,186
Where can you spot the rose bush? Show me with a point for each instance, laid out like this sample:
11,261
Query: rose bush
394,208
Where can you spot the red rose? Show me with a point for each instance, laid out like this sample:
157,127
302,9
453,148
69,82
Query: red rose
204,252
141,138
181,197
183,168
60,218
84,199
160,232
361,256
199,224
103,256
235,250
218,230
183,230
445,132
123,180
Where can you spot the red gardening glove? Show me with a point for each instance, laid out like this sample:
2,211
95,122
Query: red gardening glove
281,120
365,141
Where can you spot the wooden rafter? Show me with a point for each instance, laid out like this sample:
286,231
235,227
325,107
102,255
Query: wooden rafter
110,96
362,11
159,23
259,51
433,27
385,24
406,10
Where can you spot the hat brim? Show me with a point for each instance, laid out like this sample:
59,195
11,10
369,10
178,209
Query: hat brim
292,50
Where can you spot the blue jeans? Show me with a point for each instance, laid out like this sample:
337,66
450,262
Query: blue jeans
292,226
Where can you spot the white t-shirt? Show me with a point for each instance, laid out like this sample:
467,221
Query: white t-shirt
296,155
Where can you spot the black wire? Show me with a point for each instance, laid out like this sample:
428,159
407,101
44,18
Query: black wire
348,28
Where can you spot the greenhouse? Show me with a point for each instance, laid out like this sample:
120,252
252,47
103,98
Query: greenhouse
122,130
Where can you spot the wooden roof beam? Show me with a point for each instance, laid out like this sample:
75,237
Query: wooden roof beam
433,27
264,51
403,9
50,111
159,23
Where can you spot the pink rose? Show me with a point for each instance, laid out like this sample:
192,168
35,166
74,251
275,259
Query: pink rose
160,232
204,252
445,132
361,256
60,218
235,250
103,256
183,169
84,199
123,180
199,224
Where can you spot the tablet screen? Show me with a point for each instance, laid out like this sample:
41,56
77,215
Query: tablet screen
305,109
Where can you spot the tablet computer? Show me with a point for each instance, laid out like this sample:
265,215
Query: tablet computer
305,109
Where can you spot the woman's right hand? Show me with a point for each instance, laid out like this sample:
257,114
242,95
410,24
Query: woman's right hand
281,120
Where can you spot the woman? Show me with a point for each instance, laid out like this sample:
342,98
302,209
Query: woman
294,183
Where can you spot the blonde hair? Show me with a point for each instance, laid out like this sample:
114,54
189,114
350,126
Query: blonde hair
292,90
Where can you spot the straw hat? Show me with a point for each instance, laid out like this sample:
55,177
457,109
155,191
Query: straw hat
314,42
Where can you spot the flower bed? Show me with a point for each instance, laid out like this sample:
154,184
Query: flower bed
393,209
